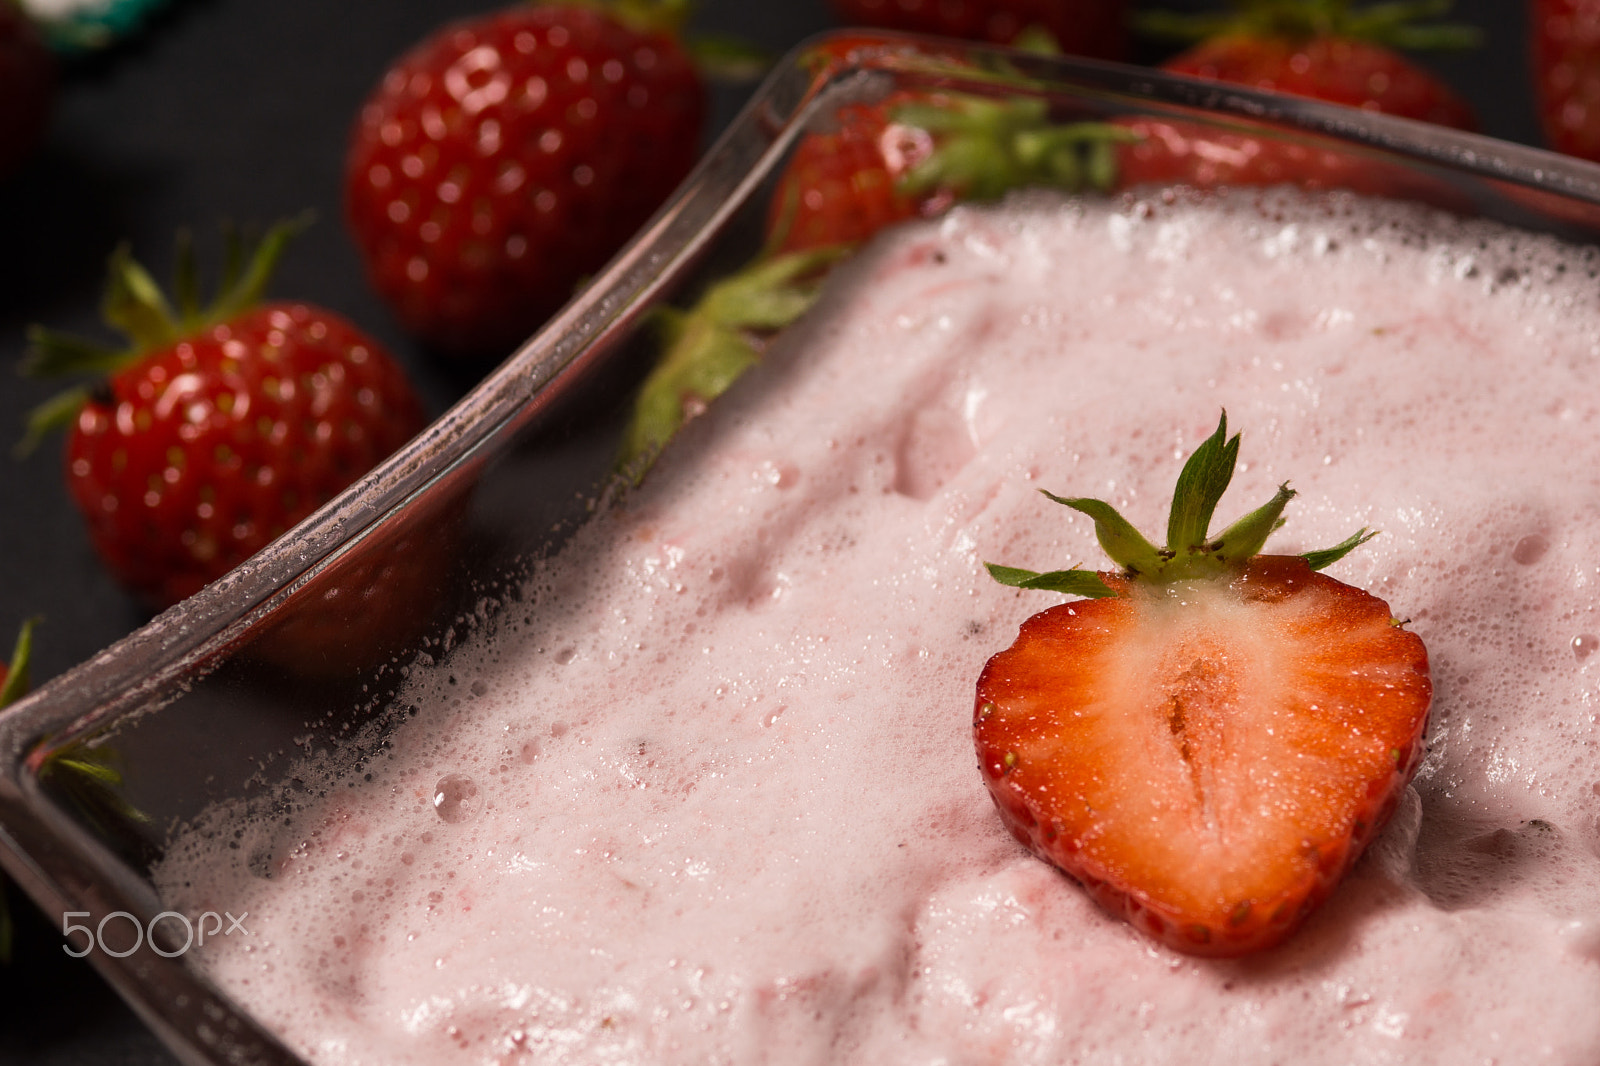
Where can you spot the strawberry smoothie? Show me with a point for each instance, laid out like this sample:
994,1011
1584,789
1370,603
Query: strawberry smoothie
708,792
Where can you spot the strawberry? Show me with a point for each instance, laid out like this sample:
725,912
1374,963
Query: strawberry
1173,152
915,154
1565,36
1327,50
27,86
508,156
219,428
1210,739
1077,27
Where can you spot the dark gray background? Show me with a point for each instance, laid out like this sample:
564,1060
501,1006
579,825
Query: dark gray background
238,110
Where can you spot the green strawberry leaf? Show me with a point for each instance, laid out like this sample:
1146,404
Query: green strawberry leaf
1204,479
1127,547
135,305
1074,582
1243,540
708,347
17,670
1321,560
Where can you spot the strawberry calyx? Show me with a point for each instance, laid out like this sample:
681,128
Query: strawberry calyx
14,680
1398,24
984,148
707,347
1191,553
135,306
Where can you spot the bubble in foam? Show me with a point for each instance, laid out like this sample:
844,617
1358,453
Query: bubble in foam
1584,644
1530,549
456,798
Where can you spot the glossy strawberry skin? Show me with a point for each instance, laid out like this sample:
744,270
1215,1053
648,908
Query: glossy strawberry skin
842,185
198,454
1214,831
1174,152
507,157
1079,27
27,87
1565,37
1338,70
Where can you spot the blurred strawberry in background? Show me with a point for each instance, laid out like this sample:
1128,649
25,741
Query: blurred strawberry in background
508,156
1565,40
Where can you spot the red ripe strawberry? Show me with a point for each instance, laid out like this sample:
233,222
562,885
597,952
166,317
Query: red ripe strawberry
844,184
1326,50
1565,35
27,86
1171,152
1210,741
916,154
1077,27
220,428
508,156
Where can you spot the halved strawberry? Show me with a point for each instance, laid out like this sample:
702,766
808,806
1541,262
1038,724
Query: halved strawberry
1210,739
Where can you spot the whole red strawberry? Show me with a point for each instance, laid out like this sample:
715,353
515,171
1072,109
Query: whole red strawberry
220,428
1210,739
1161,151
507,157
1327,50
1565,36
27,86
915,154
1077,27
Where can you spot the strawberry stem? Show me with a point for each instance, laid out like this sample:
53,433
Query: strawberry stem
1191,553
709,346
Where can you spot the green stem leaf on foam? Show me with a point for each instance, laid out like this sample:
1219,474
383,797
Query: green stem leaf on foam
1191,553
708,347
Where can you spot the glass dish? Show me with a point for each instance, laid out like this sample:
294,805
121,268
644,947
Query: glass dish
214,698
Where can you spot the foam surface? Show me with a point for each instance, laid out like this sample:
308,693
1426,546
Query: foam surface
709,792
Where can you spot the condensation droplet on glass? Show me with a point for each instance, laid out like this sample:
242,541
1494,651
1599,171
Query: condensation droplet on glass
1584,644
455,798
1530,549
